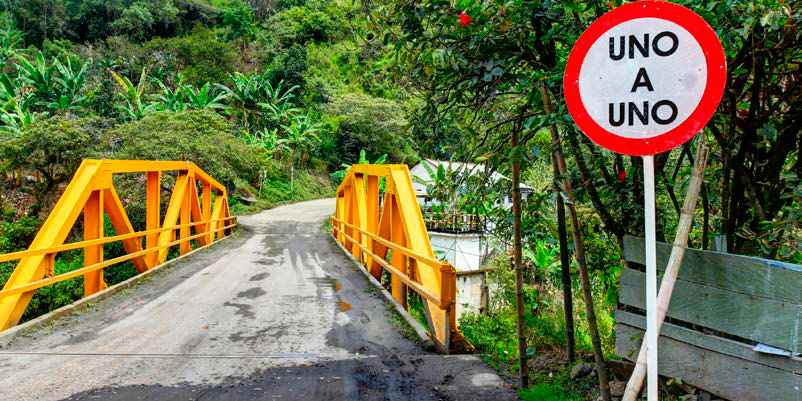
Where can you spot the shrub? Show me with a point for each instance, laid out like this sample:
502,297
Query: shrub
54,148
290,68
374,124
199,136
202,56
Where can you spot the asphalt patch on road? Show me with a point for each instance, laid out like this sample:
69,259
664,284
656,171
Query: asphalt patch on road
362,379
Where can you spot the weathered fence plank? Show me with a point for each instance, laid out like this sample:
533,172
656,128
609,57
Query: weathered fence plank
742,274
759,319
724,375
722,345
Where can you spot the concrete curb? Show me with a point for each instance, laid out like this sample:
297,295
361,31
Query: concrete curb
420,331
7,336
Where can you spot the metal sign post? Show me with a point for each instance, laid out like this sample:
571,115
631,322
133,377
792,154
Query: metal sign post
641,80
651,276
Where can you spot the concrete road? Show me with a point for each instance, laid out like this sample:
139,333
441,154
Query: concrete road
275,313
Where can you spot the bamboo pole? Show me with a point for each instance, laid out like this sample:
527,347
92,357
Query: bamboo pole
672,271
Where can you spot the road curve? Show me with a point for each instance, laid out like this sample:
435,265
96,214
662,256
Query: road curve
275,313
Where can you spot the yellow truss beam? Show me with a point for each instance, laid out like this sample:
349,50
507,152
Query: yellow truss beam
92,193
396,230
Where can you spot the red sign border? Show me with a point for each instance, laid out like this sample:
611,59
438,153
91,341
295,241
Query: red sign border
716,77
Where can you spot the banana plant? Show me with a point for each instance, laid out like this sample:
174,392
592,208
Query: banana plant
246,90
301,135
171,99
207,97
15,113
278,104
39,77
135,106
10,40
71,83
267,140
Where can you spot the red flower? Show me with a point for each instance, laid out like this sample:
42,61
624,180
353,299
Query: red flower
464,19
622,176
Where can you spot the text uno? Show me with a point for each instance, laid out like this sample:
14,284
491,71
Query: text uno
663,44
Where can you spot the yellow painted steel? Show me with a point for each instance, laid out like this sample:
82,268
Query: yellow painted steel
92,192
397,232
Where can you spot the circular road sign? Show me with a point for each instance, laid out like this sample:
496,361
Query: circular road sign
645,77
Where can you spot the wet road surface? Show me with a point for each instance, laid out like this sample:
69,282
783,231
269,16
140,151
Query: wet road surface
275,313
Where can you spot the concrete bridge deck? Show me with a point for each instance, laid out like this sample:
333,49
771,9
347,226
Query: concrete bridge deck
275,313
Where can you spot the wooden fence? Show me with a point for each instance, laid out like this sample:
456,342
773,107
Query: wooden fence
733,328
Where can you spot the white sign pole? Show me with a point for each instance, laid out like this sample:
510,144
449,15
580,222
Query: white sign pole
651,277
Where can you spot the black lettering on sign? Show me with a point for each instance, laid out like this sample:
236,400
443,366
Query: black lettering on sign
619,122
620,54
662,48
640,114
670,118
671,50
642,48
642,80
634,110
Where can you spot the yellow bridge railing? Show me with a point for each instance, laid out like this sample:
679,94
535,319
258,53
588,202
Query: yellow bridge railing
373,229
190,216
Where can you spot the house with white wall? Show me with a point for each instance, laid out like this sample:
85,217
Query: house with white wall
460,241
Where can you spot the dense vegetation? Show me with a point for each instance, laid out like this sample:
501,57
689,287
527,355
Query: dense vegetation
269,101
252,90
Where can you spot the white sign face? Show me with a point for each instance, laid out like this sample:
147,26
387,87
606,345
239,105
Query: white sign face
643,78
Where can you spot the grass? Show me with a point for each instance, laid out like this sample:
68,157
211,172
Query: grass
548,392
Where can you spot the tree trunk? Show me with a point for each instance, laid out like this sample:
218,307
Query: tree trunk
516,257
565,264
579,253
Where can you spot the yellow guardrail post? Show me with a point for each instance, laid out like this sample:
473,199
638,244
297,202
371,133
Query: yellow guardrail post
92,193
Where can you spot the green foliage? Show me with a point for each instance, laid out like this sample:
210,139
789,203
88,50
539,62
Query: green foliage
15,108
10,38
93,20
202,56
373,124
135,105
206,98
548,391
55,148
339,175
238,17
279,186
290,68
199,136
